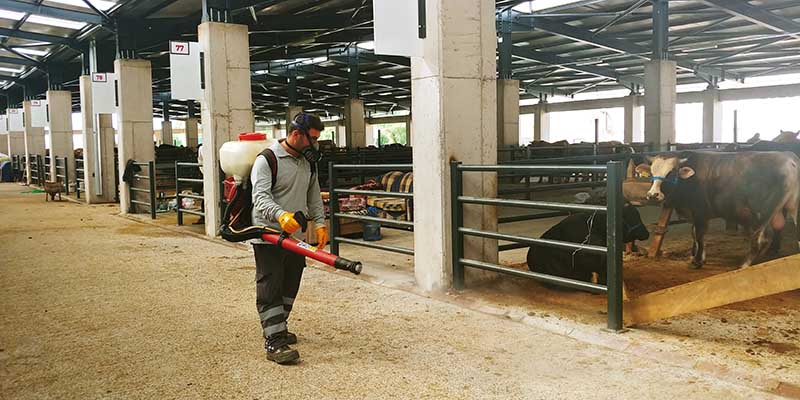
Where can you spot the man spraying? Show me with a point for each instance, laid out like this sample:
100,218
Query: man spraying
284,181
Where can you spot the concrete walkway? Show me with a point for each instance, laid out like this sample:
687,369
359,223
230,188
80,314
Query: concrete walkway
97,306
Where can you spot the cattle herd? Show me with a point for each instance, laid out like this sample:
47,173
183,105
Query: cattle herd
755,185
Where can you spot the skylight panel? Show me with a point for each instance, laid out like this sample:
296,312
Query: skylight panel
99,4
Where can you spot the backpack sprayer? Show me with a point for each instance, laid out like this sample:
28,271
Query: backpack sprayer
236,160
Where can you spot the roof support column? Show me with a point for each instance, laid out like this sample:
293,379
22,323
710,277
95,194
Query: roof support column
507,113
191,125
60,109
633,119
34,138
541,121
226,107
166,125
134,118
293,108
354,124
712,116
98,150
507,90
454,86
660,82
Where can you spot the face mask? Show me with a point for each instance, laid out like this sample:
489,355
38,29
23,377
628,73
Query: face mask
311,152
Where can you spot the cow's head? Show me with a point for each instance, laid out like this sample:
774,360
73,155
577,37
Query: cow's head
666,169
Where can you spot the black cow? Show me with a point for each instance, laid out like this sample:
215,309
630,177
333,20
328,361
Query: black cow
758,190
585,228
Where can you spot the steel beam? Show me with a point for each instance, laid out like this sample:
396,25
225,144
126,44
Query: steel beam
52,12
38,37
19,61
574,65
757,15
660,30
621,46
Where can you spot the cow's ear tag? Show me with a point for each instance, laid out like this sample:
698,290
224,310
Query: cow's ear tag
686,172
643,170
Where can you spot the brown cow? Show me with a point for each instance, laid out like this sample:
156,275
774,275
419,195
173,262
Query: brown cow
756,189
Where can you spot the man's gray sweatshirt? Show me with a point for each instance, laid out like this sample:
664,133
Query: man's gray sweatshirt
295,190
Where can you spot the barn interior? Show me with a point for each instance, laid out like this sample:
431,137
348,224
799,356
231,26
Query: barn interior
519,114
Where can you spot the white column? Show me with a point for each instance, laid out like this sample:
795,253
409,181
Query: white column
454,87
98,150
341,135
660,95
191,132
226,105
5,145
354,124
60,103
135,118
507,113
291,111
541,127
34,140
408,132
633,119
166,133
712,116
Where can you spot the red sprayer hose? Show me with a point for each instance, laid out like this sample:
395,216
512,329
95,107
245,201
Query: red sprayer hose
310,251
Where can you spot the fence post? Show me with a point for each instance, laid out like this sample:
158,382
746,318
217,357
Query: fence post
178,194
151,173
614,244
77,181
334,208
66,175
457,218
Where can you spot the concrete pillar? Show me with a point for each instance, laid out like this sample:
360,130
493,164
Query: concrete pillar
98,160
16,143
507,113
660,97
4,144
134,117
291,111
408,132
633,119
712,116
341,135
541,127
191,132
166,133
226,105
354,124
34,139
60,103
454,87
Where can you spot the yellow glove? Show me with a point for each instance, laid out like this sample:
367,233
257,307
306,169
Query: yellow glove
322,236
288,223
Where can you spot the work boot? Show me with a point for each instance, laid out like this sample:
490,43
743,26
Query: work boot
291,338
278,349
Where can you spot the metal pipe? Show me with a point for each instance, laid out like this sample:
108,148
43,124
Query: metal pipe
399,167
614,245
566,282
394,249
457,220
533,168
376,193
543,205
375,219
533,241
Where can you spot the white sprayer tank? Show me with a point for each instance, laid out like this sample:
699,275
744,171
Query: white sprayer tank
237,158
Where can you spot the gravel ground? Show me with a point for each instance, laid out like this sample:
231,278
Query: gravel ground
97,306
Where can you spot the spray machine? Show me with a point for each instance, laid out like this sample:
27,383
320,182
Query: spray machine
236,161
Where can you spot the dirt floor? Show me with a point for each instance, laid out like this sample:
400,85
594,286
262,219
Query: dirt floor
93,305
